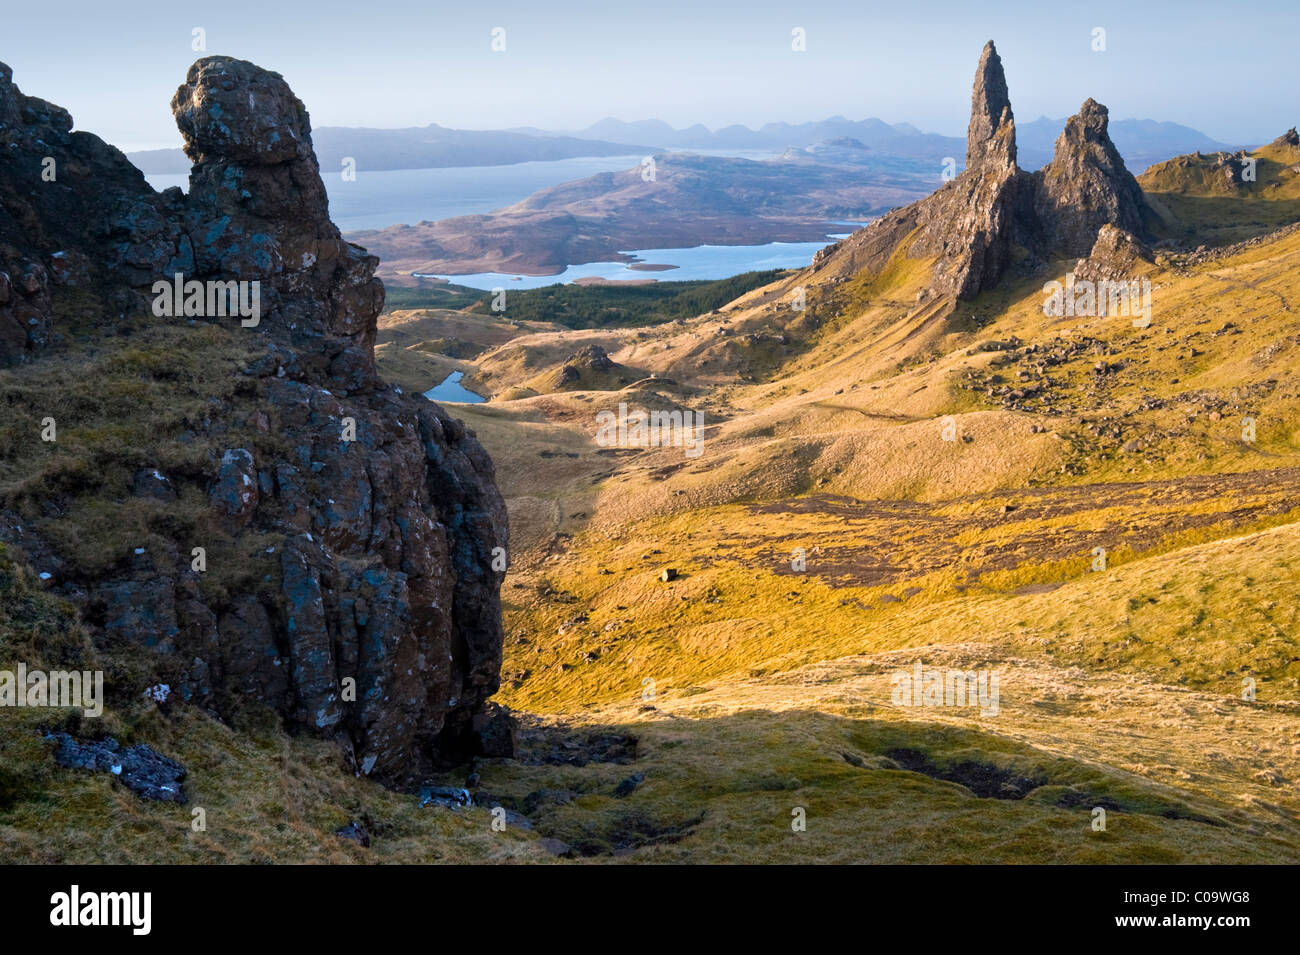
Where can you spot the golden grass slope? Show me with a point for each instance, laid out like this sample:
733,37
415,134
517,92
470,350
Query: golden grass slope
827,538
974,553
1212,199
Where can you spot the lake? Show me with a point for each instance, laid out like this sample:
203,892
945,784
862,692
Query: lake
699,262
406,196
450,389
388,197
393,196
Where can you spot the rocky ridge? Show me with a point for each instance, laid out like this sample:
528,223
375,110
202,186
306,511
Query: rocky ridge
383,516
994,218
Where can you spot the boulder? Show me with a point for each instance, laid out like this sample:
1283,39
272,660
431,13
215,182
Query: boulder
1117,255
152,483
142,769
354,832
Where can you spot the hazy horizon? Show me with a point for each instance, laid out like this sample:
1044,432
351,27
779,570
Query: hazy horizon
579,132
412,65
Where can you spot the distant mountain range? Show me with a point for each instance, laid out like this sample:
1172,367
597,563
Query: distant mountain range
902,140
1142,142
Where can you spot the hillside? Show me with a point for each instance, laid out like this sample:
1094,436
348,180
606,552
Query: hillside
908,462
1226,197
770,688
754,687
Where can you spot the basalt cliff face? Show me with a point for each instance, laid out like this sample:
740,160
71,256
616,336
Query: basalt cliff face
994,218
378,622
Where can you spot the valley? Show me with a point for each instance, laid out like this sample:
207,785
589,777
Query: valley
954,577
829,537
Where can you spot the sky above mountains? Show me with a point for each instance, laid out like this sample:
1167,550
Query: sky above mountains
568,64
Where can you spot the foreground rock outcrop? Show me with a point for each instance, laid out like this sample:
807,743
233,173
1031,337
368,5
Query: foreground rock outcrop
73,213
994,218
377,622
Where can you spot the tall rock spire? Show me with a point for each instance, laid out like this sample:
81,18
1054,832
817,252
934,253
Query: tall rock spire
996,219
992,126
258,210
972,226
1087,186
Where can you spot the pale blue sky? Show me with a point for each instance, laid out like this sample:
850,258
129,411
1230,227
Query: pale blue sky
1230,71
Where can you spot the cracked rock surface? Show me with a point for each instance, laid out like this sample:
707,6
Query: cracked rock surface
380,543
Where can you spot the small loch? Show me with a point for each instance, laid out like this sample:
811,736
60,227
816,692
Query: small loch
450,389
